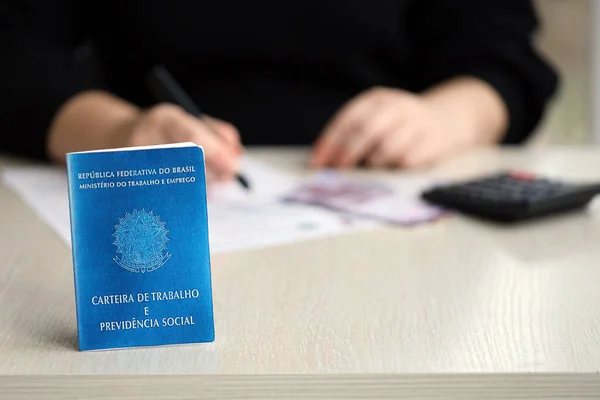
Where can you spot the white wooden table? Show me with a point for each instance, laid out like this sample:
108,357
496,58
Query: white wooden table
392,313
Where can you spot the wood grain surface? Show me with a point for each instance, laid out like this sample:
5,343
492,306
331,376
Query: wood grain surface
299,387
443,308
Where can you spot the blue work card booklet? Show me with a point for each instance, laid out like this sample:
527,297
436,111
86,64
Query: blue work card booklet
139,233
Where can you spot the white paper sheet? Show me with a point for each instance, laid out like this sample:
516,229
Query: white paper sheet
236,220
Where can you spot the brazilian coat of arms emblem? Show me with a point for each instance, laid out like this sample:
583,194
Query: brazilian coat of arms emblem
141,242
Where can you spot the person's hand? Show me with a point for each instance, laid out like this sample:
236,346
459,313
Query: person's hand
97,120
167,123
386,128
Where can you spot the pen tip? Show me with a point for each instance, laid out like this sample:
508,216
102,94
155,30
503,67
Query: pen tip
243,181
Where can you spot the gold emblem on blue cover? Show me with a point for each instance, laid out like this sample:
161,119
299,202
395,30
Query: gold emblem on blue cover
141,240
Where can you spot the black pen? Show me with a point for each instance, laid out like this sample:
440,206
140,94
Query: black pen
165,88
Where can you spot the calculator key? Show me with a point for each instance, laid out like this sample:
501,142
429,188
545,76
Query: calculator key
522,175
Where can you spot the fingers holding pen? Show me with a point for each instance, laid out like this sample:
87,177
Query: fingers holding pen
171,124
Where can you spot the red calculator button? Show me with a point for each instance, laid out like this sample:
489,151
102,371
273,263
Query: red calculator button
522,175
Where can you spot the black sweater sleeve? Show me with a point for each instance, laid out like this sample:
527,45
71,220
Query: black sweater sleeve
491,40
37,72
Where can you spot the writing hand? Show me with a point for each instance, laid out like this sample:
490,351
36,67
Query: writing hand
167,123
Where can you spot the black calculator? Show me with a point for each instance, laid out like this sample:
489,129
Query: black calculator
512,196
